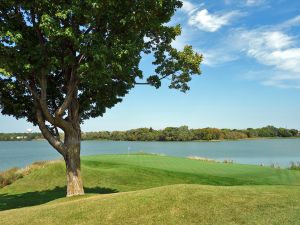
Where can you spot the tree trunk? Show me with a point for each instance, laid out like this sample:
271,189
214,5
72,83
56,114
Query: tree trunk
72,159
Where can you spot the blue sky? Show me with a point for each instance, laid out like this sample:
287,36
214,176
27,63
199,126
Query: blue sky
250,74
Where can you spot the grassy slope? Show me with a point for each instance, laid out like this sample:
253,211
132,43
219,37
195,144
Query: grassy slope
176,204
256,198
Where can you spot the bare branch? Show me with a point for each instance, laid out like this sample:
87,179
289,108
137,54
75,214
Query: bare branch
43,99
88,30
59,112
142,83
80,58
57,133
56,121
147,83
32,91
31,87
57,144
43,84
36,27
72,86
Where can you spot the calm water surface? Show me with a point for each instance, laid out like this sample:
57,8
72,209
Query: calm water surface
278,151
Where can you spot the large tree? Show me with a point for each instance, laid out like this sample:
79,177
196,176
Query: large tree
64,61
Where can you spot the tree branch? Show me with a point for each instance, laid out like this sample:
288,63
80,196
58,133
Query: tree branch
42,102
142,83
43,99
80,58
59,112
57,133
32,90
57,144
43,81
88,30
37,29
147,83
56,121
31,87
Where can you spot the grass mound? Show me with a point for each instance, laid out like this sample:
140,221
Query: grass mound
193,191
175,204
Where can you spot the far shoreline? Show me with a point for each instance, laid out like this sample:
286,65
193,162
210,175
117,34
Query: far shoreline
214,140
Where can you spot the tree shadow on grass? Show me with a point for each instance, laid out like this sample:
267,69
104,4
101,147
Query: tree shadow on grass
13,201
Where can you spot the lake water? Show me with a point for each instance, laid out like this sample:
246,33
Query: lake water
267,151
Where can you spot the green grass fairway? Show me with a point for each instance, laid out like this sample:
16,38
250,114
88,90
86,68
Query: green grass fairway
149,189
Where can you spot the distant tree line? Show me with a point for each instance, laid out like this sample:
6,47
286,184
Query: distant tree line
182,133
20,136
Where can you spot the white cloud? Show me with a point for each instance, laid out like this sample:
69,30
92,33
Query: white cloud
282,84
205,21
254,2
188,7
274,77
212,57
243,3
288,60
216,57
272,48
291,23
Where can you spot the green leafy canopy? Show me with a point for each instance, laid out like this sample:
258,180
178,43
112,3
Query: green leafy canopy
92,47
